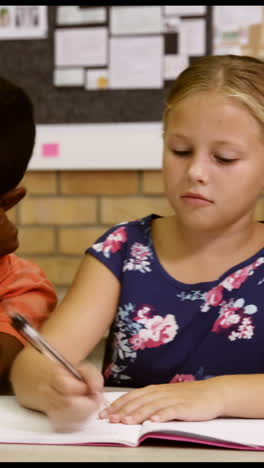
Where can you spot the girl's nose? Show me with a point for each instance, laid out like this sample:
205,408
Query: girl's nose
198,170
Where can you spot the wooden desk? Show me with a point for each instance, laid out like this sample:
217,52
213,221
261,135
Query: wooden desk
147,453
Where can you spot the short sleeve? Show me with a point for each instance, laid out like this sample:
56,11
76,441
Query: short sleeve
111,248
24,289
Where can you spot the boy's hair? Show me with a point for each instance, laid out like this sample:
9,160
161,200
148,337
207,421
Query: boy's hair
17,134
236,76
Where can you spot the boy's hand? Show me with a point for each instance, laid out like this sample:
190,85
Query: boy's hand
69,401
187,401
9,348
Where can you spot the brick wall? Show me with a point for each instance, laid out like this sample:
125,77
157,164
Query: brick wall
65,211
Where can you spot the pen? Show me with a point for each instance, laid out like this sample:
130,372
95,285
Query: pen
40,344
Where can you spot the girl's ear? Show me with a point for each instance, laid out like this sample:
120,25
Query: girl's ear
12,198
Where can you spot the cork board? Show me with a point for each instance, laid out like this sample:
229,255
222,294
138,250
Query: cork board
80,129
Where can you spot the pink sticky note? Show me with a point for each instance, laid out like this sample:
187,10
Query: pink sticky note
50,150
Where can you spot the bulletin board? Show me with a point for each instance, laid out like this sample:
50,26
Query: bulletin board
86,125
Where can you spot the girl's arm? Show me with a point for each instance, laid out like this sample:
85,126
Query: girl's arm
74,329
221,396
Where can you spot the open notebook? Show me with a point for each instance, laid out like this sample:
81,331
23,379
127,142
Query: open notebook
24,426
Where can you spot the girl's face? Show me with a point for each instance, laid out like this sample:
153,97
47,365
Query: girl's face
213,160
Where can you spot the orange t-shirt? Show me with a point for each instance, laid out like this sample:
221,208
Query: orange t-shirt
24,289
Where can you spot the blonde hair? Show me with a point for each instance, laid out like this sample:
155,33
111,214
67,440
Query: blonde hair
236,76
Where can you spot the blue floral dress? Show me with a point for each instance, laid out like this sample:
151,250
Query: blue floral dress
169,331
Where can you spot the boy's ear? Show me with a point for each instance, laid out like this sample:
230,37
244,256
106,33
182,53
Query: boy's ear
12,198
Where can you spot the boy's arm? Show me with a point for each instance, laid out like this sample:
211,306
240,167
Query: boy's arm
9,348
24,289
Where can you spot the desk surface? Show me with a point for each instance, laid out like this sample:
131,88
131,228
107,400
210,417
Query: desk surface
162,452
150,451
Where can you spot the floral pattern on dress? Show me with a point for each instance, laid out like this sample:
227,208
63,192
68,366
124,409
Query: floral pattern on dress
112,243
193,295
200,374
157,330
182,378
233,320
229,308
234,315
139,260
232,281
135,330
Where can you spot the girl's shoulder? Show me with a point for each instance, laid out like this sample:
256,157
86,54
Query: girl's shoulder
114,246
140,223
123,234
139,227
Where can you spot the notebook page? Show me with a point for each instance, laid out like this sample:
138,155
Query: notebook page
236,430
21,425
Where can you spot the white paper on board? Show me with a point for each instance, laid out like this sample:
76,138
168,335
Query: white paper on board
227,49
229,18
130,67
231,28
171,24
81,46
185,10
72,14
96,79
135,20
69,77
174,65
142,140
23,22
192,37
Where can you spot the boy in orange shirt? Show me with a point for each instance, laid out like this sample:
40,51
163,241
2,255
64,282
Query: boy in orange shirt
24,288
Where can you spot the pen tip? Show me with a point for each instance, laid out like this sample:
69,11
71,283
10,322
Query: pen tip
18,322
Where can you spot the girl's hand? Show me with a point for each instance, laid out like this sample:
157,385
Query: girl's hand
70,402
187,401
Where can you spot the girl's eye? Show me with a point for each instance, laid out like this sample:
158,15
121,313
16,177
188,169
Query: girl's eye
181,153
186,153
225,160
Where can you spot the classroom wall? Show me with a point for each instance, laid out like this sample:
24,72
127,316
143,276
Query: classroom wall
65,211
